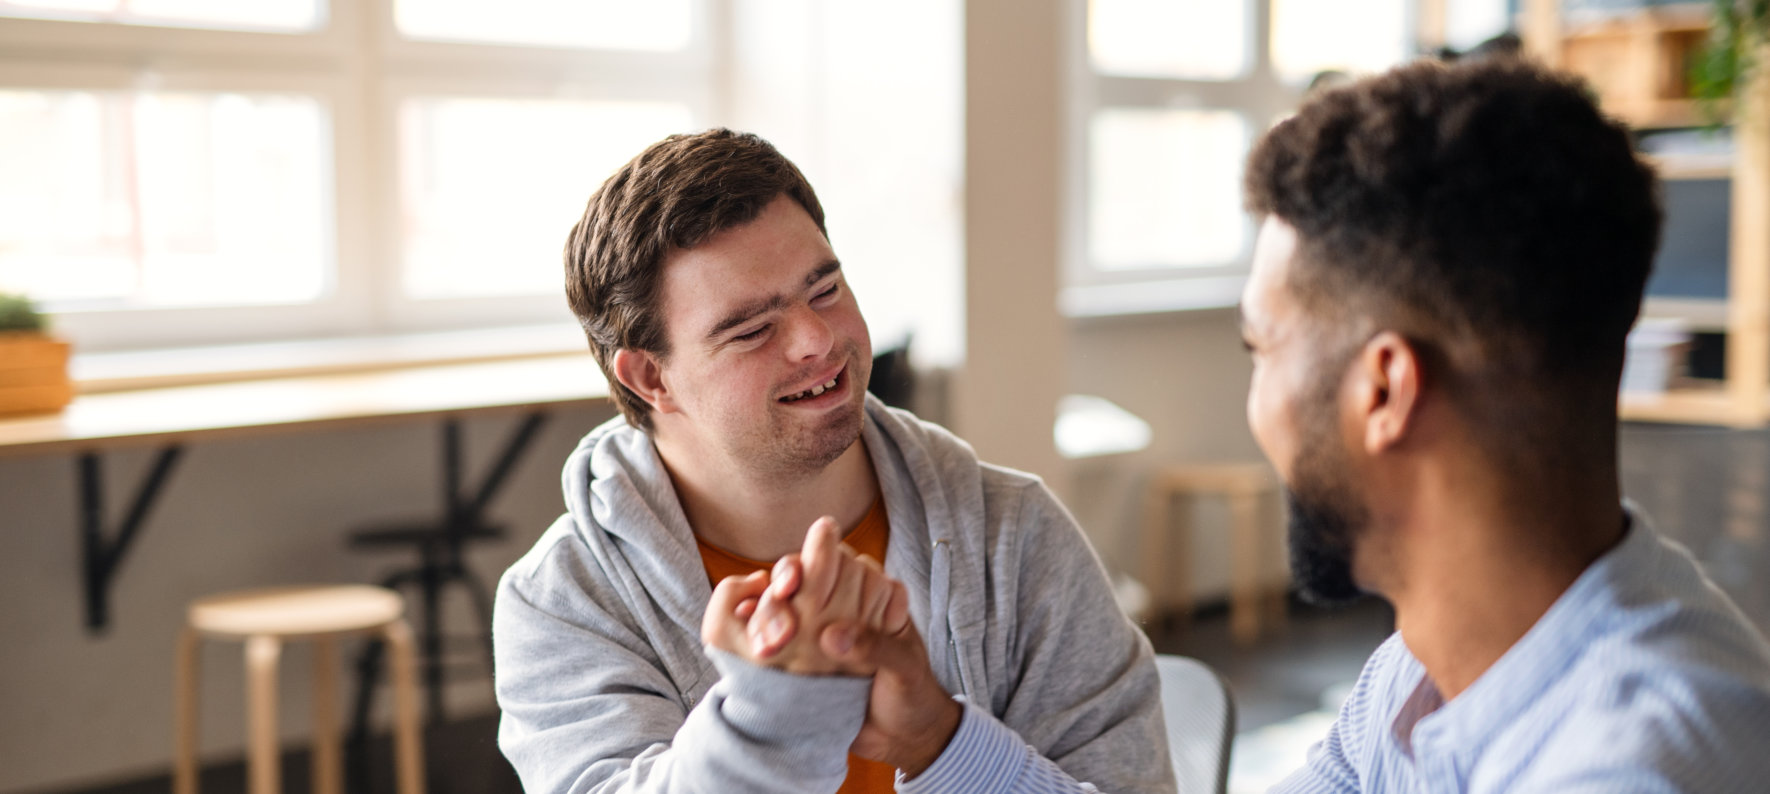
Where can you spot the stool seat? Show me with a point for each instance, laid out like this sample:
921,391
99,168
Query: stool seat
1247,487
265,619
296,611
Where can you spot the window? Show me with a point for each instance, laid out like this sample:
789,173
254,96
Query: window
214,171
163,199
287,16
200,171
1169,95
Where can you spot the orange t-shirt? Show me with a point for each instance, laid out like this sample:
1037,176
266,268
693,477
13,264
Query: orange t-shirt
868,537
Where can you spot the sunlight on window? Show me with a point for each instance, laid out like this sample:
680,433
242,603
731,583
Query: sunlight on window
1182,39
1165,188
277,15
608,24
163,199
1355,36
491,187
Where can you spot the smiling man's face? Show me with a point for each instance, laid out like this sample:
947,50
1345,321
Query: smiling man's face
769,356
1293,409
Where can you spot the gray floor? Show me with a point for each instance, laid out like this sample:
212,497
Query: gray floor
1708,488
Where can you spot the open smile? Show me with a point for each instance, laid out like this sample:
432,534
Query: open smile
830,386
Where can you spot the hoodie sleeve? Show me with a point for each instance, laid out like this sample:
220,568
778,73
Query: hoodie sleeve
587,708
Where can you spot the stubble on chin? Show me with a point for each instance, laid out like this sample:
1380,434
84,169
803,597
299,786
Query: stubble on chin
806,451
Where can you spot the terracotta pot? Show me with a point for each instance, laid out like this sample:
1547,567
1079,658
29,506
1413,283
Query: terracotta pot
33,373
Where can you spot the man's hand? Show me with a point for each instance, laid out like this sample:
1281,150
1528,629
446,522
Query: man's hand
910,716
729,610
821,604
816,607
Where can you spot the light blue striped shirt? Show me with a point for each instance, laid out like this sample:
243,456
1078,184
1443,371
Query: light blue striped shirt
1642,677
987,757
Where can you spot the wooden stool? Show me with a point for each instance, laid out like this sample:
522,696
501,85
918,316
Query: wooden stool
1247,488
265,619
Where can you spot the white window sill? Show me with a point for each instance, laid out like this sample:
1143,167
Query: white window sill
1152,297
141,369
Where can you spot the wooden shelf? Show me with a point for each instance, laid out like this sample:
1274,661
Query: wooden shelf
1690,168
1637,65
1637,62
1697,405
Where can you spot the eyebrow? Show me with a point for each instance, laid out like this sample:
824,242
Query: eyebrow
749,311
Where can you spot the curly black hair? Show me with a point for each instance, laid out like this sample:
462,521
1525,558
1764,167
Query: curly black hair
1486,200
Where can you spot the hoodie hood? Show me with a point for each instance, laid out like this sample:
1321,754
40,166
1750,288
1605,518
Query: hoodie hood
624,507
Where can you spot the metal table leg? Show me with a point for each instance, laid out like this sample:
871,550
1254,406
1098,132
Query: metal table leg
103,557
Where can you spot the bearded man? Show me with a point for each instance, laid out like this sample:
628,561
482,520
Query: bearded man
1448,261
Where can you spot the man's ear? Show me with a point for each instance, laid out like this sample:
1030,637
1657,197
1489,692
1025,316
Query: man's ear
1387,390
643,375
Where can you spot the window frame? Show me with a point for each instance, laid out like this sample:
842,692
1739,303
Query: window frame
1259,96
360,69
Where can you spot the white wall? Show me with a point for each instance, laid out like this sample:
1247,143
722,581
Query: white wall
1186,374
79,709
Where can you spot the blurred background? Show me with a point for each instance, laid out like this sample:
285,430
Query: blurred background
1037,203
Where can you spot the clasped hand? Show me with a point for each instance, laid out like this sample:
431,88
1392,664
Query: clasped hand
817,613
829,611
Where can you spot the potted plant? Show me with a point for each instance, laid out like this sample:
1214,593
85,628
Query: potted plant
33,364
1737,35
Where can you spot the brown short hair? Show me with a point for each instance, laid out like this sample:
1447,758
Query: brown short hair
674,195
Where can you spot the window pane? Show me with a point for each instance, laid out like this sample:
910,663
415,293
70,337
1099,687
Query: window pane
605,24
274,15
1471,22
491,187
1354,36
1165,188
117,200
1185,39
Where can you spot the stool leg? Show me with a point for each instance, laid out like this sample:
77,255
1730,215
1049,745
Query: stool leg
328,770
1155,529
408,748
184,713
1244,602
263,762
1181,562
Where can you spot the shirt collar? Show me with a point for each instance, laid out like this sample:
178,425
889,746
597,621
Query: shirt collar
1462,727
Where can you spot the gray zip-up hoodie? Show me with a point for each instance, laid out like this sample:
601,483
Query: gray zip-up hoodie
606,687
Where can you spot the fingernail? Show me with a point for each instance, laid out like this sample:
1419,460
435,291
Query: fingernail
781,568
776,628
843,639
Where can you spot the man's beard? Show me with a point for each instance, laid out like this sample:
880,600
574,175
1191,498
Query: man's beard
1324,520
1321,551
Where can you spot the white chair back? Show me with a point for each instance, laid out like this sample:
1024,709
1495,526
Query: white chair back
1201,722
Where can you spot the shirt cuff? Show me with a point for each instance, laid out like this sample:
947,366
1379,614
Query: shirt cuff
983,756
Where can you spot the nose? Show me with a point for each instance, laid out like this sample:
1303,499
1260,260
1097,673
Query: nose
809,337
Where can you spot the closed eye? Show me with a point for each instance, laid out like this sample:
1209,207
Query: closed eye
756,334
828,294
